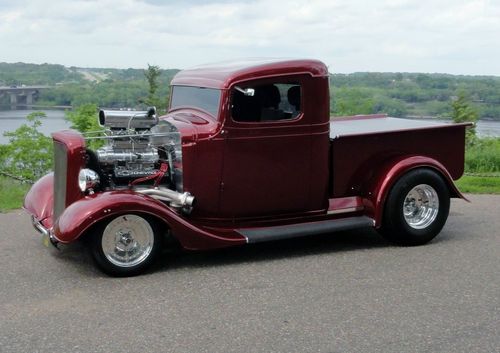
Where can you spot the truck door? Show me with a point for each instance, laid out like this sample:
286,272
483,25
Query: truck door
267,151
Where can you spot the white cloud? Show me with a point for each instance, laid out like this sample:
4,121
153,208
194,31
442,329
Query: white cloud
453,36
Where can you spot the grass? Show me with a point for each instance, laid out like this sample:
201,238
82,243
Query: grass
483,156
11,194
479,185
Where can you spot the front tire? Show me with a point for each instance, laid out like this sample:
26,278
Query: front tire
416,209
125,245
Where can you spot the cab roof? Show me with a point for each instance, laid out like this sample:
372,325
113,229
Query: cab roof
222,75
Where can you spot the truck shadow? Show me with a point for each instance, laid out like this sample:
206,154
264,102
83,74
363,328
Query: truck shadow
354,240
78,258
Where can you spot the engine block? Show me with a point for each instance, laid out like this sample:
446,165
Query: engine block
138,152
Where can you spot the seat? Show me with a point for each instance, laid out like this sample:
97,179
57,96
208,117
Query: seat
269,98
293,96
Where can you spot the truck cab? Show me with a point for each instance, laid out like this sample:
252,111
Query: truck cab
246,153
266,154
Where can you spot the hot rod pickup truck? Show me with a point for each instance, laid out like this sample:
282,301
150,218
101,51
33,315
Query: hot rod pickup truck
246,153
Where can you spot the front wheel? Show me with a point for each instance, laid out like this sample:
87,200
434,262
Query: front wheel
416,209
125,245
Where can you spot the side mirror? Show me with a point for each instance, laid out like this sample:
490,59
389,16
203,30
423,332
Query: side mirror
249,92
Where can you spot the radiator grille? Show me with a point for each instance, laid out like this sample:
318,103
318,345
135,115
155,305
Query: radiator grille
60,176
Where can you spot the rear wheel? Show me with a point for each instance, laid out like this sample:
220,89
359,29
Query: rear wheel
125,245
416,209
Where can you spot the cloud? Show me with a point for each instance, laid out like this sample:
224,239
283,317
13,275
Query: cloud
349,35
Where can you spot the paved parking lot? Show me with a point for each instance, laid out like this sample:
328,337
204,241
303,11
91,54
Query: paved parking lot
345,292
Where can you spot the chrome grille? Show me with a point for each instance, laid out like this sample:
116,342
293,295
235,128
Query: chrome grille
60,176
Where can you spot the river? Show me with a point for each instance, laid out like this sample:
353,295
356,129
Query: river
12,119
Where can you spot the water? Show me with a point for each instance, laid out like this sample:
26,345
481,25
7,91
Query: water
12,119
484,128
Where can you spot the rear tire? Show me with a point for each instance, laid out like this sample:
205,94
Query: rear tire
125,245
416,209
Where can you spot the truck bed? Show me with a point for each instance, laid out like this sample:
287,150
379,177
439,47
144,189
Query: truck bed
359,145
372,124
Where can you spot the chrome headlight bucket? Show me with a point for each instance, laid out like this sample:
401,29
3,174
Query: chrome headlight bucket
87,179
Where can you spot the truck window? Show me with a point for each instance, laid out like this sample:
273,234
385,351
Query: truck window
270,102
206,99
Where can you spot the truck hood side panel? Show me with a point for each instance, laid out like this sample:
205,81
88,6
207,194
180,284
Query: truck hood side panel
193,125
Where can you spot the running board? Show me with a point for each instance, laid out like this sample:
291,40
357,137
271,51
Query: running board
256,235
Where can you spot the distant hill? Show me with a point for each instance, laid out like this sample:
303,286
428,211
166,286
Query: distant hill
51,74
33,74
398,94
412,94
105,87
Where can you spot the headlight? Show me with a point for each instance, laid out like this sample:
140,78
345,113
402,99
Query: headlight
87,179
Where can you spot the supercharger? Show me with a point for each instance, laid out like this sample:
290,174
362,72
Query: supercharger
137,146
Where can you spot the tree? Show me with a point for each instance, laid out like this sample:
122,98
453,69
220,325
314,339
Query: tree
84,119
29,152
463,112
349,101
152,75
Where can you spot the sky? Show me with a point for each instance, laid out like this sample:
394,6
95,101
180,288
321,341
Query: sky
447,36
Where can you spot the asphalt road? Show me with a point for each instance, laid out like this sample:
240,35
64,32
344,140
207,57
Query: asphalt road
344,292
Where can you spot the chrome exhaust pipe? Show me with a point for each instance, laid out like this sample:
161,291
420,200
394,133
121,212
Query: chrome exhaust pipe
178,200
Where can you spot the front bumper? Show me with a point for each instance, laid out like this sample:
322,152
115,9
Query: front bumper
48,237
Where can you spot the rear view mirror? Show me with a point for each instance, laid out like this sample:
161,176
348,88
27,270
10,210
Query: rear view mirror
249,92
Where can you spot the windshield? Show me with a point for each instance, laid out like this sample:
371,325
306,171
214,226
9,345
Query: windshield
206,99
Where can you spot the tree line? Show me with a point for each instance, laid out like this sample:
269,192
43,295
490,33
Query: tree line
397,94
410,94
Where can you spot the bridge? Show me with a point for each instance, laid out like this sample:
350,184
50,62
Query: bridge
21,95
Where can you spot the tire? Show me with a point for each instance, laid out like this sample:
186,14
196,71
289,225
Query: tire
125,245
416,208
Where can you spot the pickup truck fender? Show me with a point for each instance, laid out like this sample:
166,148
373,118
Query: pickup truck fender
81,215
382,181
39,200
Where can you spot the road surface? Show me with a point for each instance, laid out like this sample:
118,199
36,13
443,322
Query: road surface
345,292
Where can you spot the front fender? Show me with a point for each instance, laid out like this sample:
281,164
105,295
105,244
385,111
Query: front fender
86,212
39,201
390,172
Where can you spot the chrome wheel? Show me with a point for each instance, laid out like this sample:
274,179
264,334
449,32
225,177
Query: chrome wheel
421,206
127,240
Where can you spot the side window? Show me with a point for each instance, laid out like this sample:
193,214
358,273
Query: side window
267,102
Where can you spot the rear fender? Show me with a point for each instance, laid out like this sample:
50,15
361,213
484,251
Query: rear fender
81,215
380,185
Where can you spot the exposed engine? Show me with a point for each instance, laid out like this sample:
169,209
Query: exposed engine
140,152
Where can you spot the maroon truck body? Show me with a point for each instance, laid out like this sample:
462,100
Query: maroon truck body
257,179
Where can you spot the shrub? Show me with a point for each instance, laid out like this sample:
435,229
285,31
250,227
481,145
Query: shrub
29,152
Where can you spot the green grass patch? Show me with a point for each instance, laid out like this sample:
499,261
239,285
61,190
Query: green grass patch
483,156
479,185
11,194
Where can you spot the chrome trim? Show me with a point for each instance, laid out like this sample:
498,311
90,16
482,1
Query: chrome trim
112,137
39,227
345,210
60,178
45,232
181,200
